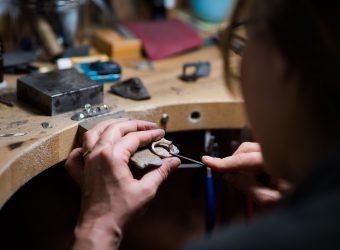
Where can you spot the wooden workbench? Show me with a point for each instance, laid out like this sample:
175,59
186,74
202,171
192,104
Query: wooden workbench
23,157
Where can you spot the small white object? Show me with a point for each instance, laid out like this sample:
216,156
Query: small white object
64,63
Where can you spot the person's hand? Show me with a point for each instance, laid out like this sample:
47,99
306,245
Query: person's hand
110,194
244,170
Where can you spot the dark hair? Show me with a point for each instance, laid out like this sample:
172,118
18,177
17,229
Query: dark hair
307,35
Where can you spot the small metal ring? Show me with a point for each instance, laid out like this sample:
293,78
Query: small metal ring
86,153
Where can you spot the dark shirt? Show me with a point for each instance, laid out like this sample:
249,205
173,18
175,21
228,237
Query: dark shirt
308,219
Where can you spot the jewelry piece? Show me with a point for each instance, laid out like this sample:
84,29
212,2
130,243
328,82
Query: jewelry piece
87,152
164,148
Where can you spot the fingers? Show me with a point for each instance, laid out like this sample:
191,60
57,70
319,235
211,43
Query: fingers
265,196
155,177
108,132
247,184
91,137
243,161
116,157
123,150
247,147
131,142
74,165
116,131
284,186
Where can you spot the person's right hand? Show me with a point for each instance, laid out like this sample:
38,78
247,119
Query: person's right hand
243,169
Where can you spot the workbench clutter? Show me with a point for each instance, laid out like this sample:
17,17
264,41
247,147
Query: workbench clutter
195,70
212,11
59,91
101,71
160,39
3,83
132,88
53,42
47,26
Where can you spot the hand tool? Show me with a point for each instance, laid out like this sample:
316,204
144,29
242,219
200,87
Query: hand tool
121,45
187,159
109,13
212,149
1,62
47,36
172,150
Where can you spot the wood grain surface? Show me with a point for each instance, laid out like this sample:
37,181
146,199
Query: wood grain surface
205,104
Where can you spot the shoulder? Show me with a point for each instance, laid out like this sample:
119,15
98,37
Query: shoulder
312,224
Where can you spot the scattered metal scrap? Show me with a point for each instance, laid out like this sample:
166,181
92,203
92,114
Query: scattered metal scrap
90,111
13,134
144,65
200,69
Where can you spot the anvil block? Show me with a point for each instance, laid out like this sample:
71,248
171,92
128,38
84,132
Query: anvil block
59,91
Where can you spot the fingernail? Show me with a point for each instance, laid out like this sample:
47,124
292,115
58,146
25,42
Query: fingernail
207,158
175,161
161,135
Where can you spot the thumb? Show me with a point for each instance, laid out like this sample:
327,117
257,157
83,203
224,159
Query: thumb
243,161
155,177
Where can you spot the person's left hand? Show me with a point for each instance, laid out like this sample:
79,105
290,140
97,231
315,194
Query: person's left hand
110,194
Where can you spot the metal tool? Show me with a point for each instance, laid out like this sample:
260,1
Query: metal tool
3,83
144,65
109,13
1,62
173,151
164,121
211,147
188,159
190,166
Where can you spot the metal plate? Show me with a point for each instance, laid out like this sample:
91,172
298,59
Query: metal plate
59,91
